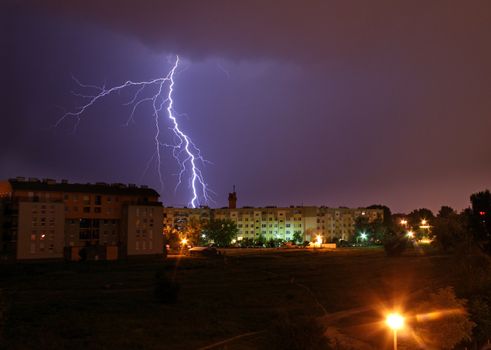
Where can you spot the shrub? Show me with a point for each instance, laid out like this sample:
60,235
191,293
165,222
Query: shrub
301,333
395,245
443,320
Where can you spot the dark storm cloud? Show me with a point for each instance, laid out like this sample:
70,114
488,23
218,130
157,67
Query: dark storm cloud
323,102
314,31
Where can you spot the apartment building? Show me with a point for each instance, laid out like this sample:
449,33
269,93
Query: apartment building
273,222
49,219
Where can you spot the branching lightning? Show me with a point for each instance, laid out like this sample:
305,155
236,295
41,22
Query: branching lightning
184,150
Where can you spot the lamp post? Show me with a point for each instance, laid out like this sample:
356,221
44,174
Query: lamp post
395,322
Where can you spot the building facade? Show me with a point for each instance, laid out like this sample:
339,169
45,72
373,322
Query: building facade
48,219
332,224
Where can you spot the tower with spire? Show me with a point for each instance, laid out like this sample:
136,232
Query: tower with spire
232,199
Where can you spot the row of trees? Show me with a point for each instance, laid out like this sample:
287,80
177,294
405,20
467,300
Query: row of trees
220,232
196,233
448,229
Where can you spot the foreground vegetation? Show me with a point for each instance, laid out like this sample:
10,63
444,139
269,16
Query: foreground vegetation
189,303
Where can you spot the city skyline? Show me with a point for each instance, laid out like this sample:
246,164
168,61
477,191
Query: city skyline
394,111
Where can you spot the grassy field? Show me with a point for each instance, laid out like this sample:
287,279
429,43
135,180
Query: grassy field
104,305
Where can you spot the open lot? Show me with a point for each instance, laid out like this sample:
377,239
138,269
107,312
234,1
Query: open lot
111,305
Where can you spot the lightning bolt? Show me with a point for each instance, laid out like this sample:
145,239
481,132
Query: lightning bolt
184,150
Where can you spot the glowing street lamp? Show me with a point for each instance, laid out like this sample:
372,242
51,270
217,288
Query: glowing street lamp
424,224
410,234
318,240
395,322
363,236
184,241
403,222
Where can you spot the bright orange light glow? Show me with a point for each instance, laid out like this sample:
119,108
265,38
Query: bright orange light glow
403,222
184,241
410,234
319,240
430,316
395,321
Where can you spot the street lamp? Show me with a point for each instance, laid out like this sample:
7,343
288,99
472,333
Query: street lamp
319,240
395,322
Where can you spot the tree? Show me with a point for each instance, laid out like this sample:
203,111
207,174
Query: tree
221,231
193,231
415,220
171,237
444,320
449,228
416,216
480,220
387,220
298,237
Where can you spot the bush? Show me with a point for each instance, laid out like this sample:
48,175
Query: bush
481,316
395,245
443,320
301,333
166,289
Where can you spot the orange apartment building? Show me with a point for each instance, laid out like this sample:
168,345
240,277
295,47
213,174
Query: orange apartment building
42,219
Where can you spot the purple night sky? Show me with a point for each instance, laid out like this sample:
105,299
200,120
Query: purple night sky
337,103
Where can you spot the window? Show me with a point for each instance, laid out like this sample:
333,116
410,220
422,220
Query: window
98,200
137,245
97,210
86,209
86,200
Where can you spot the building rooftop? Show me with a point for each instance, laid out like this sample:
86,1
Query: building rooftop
50,185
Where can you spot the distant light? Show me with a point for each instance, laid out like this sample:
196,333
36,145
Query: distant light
203,236
395,321
410,234
363,213
184,241
403,222
363,236
424,224
43,236
319,239
482,213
